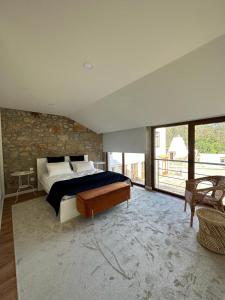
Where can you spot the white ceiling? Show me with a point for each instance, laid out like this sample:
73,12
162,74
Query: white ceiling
192,87
43,45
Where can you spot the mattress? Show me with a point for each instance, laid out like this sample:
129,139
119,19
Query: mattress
47,181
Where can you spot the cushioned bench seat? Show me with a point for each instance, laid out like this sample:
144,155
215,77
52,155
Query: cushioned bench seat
98,200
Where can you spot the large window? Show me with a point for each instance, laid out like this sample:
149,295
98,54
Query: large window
134,167
189,150
130,164
209,150
171,155
115,162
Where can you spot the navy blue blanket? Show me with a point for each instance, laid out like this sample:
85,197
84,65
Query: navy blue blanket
76,185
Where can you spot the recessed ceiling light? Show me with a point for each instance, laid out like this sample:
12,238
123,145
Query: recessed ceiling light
88,66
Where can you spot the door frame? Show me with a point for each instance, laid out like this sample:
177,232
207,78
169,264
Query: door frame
191,147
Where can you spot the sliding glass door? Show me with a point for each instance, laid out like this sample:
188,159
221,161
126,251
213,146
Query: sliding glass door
171,158
209,149
185,151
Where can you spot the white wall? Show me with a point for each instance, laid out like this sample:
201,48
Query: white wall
192,87
2,189
130,141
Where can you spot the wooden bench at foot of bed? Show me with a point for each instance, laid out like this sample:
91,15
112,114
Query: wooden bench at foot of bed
94,201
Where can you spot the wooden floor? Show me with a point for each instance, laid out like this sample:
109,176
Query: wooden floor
8,289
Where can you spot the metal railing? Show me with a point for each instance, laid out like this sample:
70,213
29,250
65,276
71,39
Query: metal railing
170,175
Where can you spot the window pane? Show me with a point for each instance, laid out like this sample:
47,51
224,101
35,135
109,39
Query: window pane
210,149
115,162
171,175
171,158
135,167
172,142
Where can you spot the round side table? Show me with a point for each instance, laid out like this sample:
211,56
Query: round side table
211,233
22,186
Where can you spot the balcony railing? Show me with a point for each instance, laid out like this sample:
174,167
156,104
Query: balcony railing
170,175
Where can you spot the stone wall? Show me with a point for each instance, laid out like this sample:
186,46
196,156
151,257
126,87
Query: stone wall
27,136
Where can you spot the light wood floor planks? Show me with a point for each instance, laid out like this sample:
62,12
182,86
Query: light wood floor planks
8,288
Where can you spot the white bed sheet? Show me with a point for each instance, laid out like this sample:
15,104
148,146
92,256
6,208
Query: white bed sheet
47,181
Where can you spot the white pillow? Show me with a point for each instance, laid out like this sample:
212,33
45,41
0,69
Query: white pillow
59,168
81,166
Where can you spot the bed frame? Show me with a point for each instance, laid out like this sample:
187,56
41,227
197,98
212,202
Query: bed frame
68,209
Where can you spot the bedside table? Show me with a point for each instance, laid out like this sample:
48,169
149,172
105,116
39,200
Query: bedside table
99,163
22,186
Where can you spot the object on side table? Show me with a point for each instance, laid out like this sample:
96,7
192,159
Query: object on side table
212,196
211,233
22,186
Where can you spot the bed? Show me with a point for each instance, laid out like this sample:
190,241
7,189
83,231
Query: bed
68,208
67,204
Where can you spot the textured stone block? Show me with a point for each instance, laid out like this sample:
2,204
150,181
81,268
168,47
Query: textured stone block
27,136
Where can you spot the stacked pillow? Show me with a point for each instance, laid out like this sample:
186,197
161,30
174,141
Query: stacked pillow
82,166
55,159
59,168
58,165
76,157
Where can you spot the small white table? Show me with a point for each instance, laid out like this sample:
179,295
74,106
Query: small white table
22,186
99,163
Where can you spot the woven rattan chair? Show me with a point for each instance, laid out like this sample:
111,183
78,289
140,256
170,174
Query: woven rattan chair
211,233
212,195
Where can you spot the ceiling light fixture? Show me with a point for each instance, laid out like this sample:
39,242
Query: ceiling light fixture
88,66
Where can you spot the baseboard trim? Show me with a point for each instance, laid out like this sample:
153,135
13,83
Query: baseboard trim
148,188
21,193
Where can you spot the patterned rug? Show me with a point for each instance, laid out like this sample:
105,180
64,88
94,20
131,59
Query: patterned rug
145,251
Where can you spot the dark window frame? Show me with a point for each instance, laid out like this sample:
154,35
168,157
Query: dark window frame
191,147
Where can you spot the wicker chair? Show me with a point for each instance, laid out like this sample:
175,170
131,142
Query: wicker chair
212,196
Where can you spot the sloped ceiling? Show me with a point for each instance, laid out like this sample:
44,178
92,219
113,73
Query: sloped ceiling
43,45
190,88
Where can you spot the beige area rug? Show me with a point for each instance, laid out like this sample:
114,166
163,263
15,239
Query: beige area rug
147,251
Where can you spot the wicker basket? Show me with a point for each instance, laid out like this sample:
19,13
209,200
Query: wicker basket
211,233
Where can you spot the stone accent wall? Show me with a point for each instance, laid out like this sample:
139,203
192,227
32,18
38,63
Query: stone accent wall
27,136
